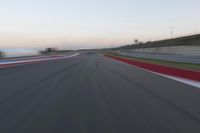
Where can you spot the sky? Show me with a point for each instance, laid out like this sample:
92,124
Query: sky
78,24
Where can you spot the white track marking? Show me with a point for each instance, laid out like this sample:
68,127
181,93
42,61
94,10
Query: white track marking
34,60
179,79
183,80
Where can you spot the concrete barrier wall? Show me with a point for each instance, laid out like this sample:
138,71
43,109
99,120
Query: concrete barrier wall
182,50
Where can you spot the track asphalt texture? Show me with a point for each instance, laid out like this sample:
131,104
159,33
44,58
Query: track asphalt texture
91,93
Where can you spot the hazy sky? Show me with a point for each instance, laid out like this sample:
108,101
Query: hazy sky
94,23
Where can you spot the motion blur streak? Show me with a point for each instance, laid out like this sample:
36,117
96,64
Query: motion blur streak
91,93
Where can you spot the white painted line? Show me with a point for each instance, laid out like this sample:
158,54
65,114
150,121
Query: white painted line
179,79
182,80
34,60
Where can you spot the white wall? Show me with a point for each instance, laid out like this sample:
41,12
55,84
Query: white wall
183,50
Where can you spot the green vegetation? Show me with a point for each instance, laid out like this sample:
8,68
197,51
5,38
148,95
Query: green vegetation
53,51
193,40
188,66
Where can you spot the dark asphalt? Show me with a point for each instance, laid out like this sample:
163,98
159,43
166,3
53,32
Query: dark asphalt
90,93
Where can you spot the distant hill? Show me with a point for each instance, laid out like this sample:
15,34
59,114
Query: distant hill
193,40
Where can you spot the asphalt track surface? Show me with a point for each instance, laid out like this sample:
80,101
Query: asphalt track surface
166,57
91,93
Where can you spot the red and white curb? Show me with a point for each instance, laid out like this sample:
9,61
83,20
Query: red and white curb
180,77
182,80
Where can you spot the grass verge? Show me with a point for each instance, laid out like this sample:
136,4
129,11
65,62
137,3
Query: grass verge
187,66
